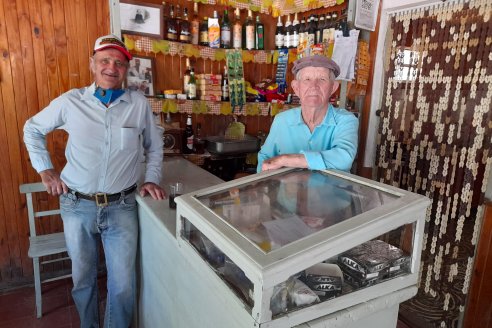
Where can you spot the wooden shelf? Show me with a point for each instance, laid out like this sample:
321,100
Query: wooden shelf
215,107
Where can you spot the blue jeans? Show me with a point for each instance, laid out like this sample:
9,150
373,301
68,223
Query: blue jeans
116,225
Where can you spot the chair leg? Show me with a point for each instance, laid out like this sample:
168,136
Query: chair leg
37,287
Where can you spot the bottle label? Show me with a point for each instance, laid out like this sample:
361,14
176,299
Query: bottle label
189,142
191,90
295,40
195,32
279,40
236,36
326,35
204,36
250,37
225,36
287,40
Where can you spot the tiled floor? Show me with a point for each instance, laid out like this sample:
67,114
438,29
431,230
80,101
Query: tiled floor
18,308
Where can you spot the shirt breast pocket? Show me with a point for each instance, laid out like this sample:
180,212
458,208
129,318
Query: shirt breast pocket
129,139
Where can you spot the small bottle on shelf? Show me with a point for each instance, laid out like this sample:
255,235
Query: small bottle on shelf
191,86
259,34
279,34
236,31
188,137
186,77
325,33
302,34
195,25
225,85
204,32
184,28
165,17
249,28
225,31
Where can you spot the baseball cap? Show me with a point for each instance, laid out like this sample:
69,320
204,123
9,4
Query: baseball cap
112,41
316,61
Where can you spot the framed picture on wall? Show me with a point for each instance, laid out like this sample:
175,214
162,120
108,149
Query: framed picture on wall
141,18
141,75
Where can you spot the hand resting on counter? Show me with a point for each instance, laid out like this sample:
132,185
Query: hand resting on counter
153,189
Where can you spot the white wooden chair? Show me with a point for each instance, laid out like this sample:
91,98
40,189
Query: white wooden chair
42,245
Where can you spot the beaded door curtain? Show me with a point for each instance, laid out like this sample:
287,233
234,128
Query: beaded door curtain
434,138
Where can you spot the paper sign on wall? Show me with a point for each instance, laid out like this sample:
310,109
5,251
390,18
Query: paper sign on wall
366,14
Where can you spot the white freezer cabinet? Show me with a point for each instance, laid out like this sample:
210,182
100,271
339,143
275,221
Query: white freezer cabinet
290,246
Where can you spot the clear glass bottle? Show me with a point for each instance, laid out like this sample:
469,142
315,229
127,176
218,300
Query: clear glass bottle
195,25
186,77
237,31
249,27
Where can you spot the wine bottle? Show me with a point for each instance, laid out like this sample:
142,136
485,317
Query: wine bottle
237,31
184,28
195,25
225,31
249,28
192,86
204,32
288,30
188,137
172,26
279,34
259,34
295,32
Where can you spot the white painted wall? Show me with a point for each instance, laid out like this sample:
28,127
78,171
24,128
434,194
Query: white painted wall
387,7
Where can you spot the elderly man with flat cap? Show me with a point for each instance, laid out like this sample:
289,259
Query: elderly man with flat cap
108,129
316,135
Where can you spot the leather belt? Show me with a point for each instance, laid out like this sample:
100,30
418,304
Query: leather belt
103,199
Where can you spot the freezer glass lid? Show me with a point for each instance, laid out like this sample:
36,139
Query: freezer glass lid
280,209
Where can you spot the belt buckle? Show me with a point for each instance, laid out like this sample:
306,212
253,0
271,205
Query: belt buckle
104,198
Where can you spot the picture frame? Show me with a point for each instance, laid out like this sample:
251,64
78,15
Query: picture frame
141,75
141,18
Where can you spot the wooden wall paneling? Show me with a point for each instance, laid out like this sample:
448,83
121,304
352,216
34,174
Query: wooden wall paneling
17,104
6,95
72,45
82,22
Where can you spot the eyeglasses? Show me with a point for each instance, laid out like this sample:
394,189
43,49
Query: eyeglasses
107,61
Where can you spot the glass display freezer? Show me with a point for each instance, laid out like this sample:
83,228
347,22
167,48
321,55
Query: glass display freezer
294,245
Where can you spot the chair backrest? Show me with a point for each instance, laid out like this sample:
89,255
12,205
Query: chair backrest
29,189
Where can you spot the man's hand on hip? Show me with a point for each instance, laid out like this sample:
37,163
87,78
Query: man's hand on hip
51,180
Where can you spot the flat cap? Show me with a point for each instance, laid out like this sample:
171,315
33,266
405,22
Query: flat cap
316,61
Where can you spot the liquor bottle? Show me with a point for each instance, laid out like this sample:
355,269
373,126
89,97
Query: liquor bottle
204,32
302,30
225,31
165,17
172,26
214,31
319,29
325,33
311,32
186,77
188,137
331,34
177,16
225,85
249,28
237,31
195,25
259,34
279,34
184,28
295,32
288,30
192,86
